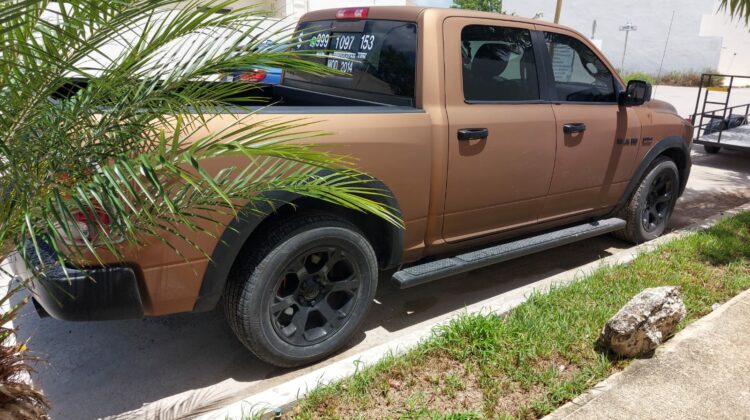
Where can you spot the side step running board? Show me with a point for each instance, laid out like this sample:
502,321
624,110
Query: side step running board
439,269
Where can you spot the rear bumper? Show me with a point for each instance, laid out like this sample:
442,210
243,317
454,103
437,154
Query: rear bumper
90,294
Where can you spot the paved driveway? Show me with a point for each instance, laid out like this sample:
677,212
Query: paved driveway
192,361
683,98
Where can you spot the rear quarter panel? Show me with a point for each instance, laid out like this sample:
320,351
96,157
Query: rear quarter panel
395,148
406,151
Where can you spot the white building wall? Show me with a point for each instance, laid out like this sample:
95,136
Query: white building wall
300,7
702,37
686,50
292,10
735,50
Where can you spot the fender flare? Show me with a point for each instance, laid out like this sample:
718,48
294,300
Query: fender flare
670,143
237,233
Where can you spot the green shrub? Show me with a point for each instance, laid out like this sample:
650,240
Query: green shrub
639,75
690,78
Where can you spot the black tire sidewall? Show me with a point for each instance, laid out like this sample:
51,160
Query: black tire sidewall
660,167
254,302
711,150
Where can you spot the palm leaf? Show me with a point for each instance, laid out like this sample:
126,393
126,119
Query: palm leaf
737,9
104,109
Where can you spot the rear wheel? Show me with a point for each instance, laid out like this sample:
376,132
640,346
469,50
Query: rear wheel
711,150
303,292
651,206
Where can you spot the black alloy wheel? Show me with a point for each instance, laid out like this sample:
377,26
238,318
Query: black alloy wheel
648,210
314,297
658,202
301,289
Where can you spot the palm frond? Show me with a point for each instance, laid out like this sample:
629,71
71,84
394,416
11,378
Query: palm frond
737,9
104,115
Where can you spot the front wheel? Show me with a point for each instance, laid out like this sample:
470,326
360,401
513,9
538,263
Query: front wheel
651,206
303,291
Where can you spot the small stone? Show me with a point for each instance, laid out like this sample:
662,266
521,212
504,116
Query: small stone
644,322
715,306
394,383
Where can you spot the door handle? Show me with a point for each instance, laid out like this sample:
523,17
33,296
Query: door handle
473,134
574,128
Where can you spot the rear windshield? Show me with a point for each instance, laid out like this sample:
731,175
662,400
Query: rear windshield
378,56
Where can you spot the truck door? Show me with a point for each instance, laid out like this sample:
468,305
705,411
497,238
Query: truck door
501,147
597,140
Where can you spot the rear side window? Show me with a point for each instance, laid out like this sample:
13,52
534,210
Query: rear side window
379,57
580,76
498,64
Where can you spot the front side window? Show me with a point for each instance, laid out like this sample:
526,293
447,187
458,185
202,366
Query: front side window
580,76
498,64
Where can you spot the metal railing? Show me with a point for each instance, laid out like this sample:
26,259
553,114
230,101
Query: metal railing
708,84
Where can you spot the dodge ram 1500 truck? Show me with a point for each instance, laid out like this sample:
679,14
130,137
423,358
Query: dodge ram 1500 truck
495,137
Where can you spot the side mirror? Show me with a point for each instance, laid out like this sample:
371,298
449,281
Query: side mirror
637,93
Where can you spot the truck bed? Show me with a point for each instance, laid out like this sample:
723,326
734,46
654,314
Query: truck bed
732,138
295,100
291,100
288,99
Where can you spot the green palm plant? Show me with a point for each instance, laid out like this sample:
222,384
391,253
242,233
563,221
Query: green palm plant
495,6
124,148
737,8
105,107
18,398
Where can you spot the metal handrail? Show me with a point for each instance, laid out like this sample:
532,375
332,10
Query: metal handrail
706,84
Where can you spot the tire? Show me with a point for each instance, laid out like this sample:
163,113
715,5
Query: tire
649,209
711,150
300,293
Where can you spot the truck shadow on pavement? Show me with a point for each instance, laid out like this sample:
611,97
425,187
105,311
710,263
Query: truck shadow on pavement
98,369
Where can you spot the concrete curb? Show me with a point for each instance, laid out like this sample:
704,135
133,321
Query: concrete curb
286,394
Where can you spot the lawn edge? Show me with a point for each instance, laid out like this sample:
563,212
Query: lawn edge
287,394
694,328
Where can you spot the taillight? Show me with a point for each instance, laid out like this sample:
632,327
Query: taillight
353,13
87,229
253,76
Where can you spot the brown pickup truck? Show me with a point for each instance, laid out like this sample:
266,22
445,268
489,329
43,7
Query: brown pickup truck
495,136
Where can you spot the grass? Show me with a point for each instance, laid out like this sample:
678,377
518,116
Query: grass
639,75
543,353
674,78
